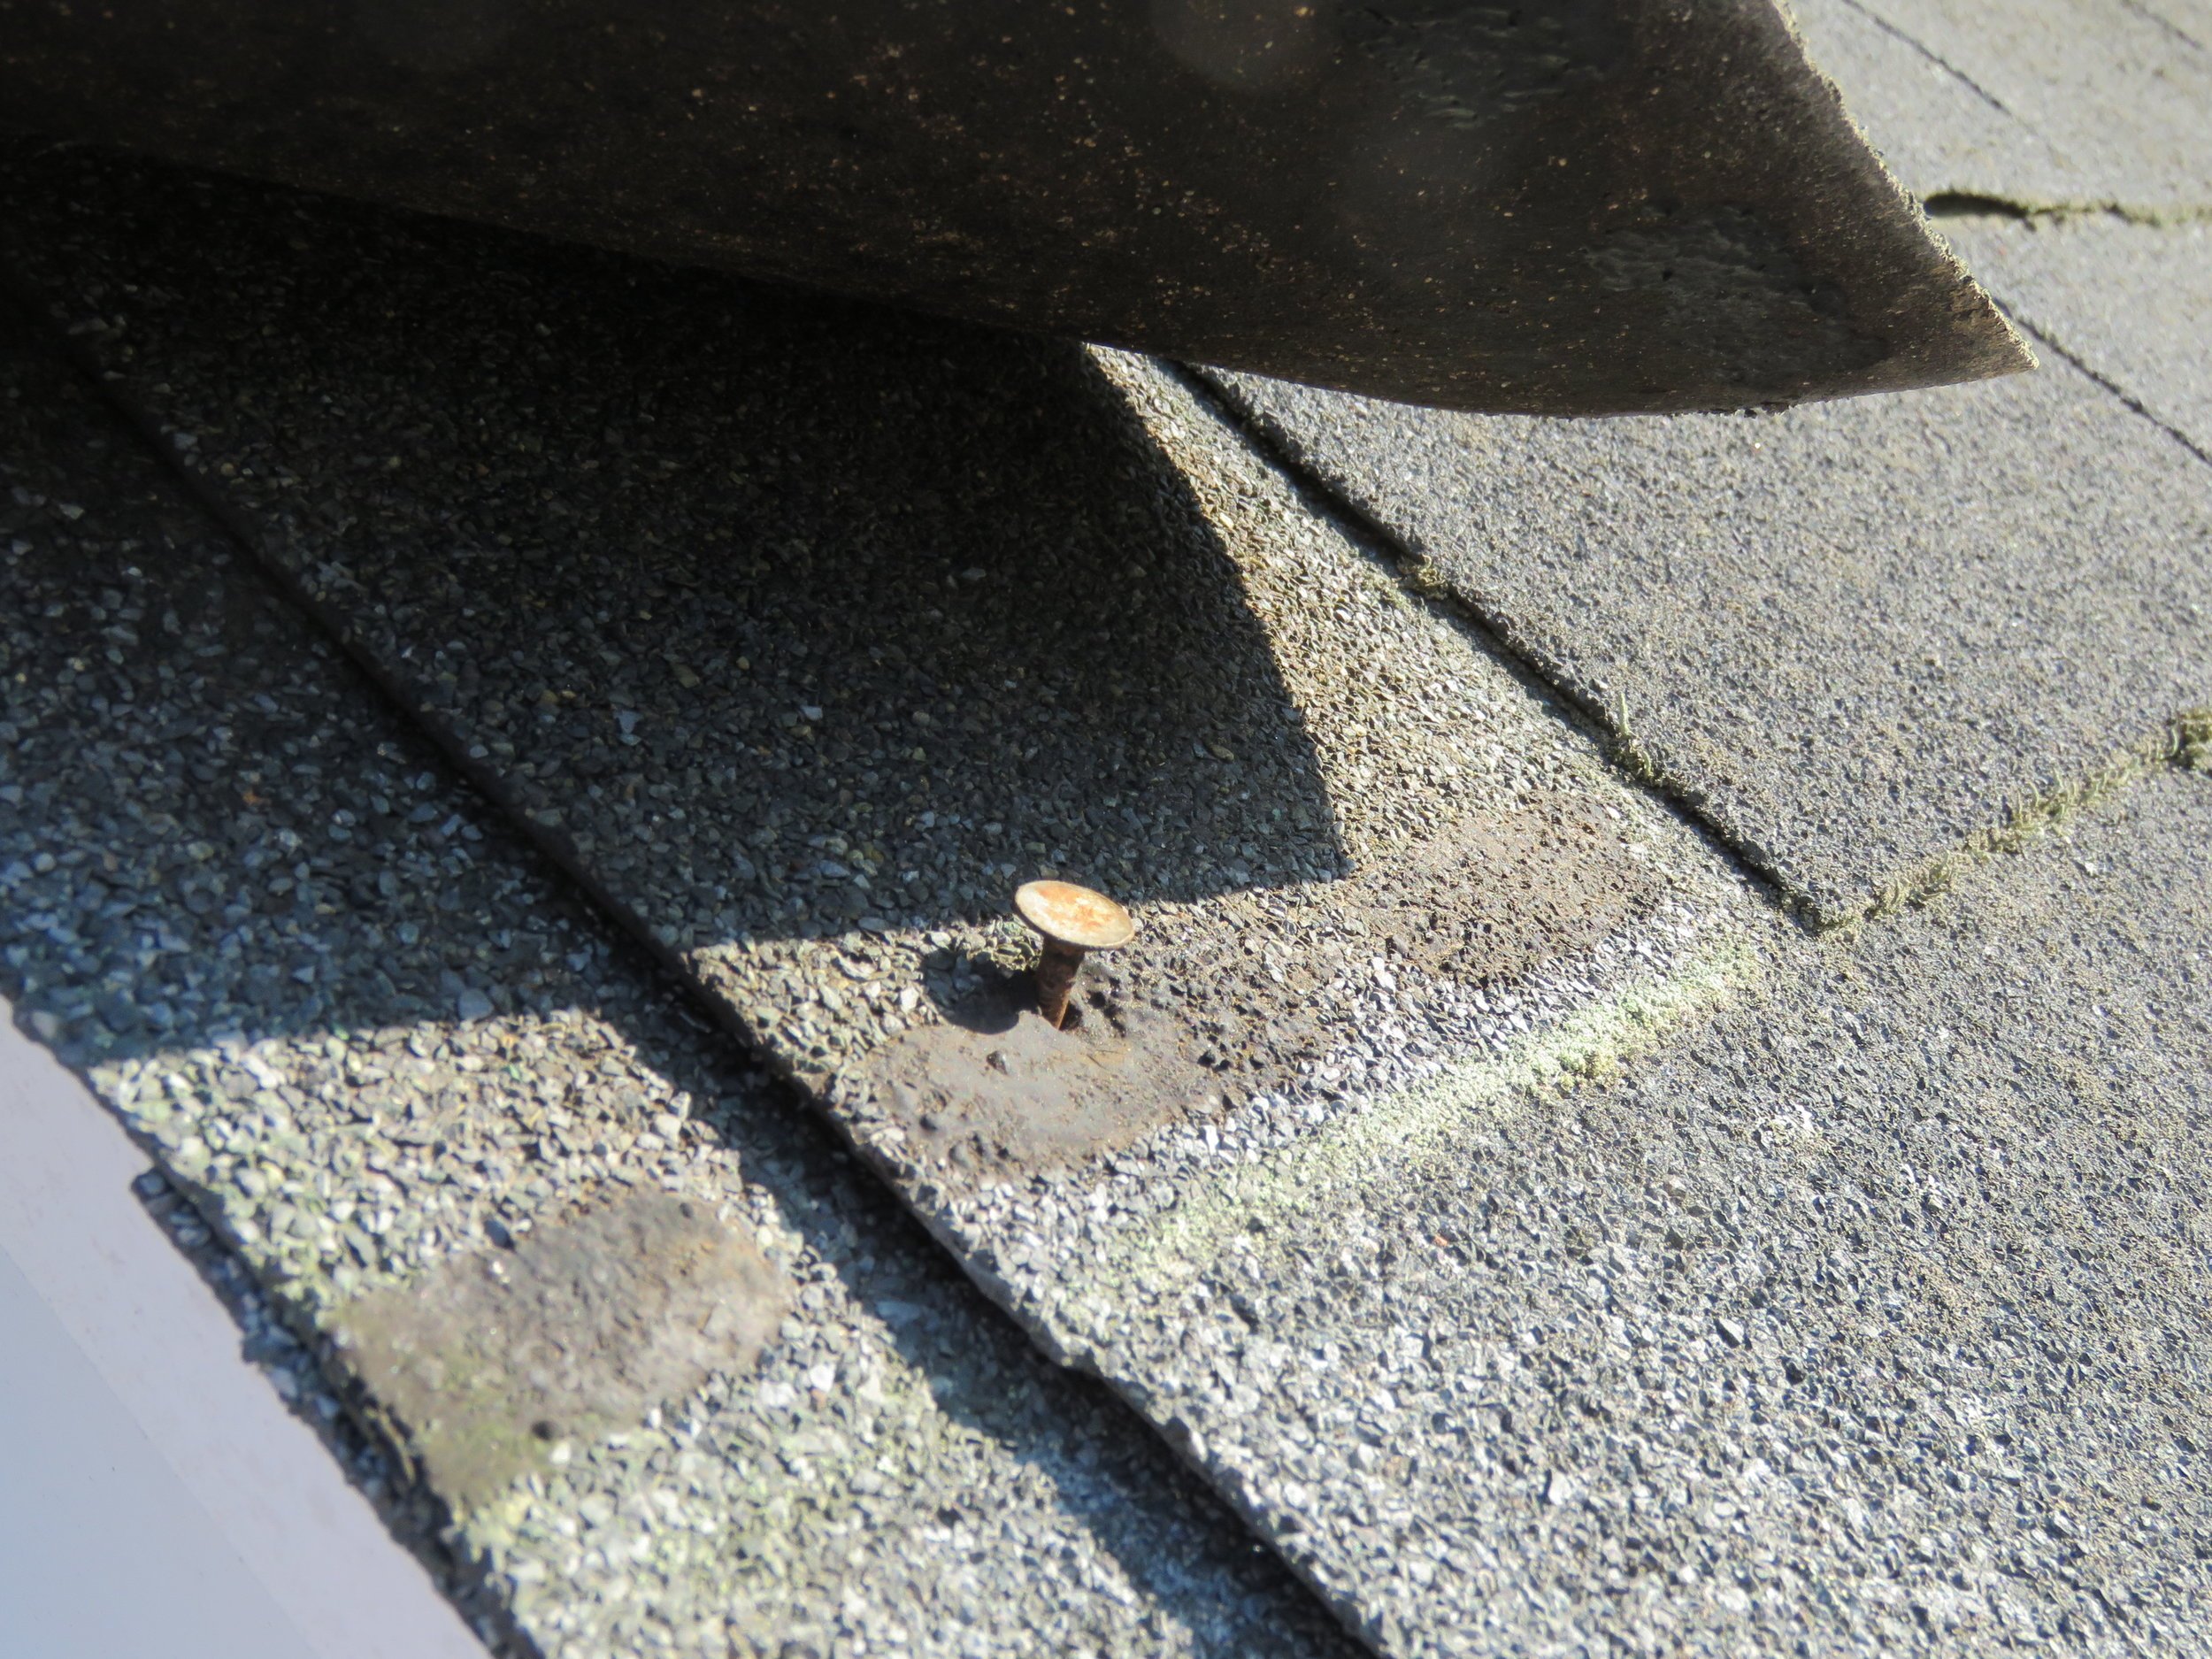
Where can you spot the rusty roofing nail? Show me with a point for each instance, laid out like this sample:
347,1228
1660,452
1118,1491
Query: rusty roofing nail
1071,920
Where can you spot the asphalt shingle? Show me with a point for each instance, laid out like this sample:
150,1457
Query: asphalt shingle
1851,635
2132,302
378,1044
1861,1318
803,631
2060,104
1526,1286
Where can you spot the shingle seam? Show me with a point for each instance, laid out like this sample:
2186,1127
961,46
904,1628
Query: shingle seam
2183,743
2160,20
393,692
1606,725
236,528
1934,57
240,531
1942,204
466,1578
2136,405
1643,1018
2185,739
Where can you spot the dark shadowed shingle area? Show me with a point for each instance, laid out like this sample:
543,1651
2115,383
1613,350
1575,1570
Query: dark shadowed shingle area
1850,636
388,1057
1561,208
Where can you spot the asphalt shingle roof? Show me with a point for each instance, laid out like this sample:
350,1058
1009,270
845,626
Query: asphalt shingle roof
378,1044
2132,304
1853,634
1476,1173
2084,104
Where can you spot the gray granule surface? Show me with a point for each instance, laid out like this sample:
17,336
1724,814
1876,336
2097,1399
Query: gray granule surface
571,1331
1591,1291
1865,1318
1851,635
2133,302
368,1036
2043,105
809,640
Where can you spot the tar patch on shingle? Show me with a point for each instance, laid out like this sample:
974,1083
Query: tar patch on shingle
1221,1001
488,1363
1002,1089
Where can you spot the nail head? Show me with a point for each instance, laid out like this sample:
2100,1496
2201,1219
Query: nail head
1069,915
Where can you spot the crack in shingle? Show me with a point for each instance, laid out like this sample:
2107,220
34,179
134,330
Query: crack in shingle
2161,21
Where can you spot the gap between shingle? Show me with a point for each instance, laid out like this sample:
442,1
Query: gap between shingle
2185,740
1940,204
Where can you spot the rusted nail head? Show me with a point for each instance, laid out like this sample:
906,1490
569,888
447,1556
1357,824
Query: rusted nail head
1070,915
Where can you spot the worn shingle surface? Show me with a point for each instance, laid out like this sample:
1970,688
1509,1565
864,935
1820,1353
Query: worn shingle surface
1850,635
1863,1317
2061,103
874,618
1859,1316
374,1040
1619,1279
2133,302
